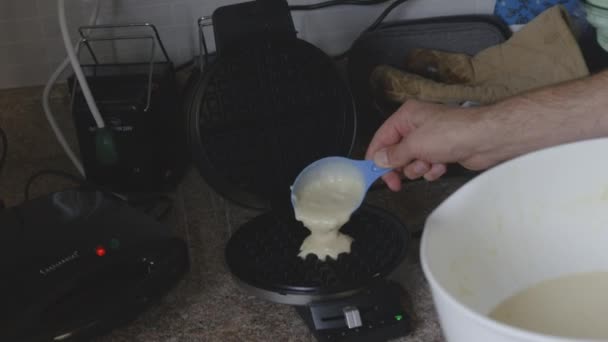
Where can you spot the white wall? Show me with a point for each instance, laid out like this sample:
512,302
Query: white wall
30,44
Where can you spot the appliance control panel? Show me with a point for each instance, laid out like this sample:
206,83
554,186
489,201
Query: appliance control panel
378,313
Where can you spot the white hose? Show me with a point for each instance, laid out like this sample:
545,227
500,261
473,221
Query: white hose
51,82
67,41
49,116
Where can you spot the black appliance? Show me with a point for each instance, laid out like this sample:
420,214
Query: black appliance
348,299
79,263
266,107
139,103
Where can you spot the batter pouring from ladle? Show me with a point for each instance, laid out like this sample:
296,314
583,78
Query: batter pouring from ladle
324,197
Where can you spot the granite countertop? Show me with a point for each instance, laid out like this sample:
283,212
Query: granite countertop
207,305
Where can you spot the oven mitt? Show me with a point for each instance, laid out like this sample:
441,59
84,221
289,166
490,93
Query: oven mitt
543,52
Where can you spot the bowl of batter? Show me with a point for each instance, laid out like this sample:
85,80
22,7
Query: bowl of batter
520,252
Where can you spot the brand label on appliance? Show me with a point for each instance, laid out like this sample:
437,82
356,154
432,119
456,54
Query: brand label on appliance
115,128
53,267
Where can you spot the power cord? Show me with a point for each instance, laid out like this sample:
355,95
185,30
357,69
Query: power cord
148,205
384,14
65,175
374,25
49,85
153,206
104,144
332,3
4,150
75,63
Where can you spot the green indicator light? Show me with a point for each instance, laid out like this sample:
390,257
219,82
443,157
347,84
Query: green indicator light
398,317
114,243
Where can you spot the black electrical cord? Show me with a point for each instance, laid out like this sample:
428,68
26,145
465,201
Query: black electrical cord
332,3
384,14
4,148
4,152
150,203
61,174
184,65
375,24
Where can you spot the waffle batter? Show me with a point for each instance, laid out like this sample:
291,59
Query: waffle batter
572,306
324,205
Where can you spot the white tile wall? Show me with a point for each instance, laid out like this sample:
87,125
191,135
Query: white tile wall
19,9
30,44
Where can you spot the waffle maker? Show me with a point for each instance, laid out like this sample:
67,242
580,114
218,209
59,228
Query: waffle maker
254,110
348,299
269,105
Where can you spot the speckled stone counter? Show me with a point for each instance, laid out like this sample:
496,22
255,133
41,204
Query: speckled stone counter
206,305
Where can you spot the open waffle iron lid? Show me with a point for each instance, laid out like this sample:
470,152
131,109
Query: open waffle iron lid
262,113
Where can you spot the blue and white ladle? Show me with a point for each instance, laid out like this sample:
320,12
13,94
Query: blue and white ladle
367,169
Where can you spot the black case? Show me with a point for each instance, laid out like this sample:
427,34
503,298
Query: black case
151,150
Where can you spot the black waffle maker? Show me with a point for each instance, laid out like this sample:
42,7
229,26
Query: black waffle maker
269,105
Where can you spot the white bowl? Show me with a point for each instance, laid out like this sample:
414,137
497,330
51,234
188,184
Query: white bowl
537,217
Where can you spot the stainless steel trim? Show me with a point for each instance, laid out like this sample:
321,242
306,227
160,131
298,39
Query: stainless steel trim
89,28
203,22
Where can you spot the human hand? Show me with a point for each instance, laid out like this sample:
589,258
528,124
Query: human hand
421,138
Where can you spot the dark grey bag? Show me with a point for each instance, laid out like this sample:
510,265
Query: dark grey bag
391,42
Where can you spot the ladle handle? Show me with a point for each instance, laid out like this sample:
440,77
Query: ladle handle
372,172
380,170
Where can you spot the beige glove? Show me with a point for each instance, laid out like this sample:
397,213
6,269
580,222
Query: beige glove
543,52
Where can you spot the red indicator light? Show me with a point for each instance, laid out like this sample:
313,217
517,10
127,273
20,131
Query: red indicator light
100,251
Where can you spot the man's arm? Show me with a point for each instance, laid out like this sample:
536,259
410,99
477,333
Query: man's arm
420,138
568,112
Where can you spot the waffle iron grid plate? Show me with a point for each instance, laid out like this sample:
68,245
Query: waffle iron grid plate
263,256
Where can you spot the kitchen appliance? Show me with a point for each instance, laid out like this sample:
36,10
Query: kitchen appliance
144,149
511,228
265,108
254,110
79,263
348,299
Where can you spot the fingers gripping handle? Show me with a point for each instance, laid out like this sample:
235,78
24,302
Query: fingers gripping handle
371,172
380,170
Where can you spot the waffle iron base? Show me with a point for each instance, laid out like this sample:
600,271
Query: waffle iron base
263,257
